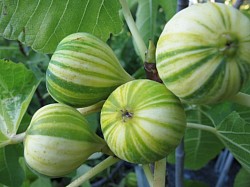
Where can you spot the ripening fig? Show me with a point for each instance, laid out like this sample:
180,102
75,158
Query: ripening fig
59,140
202,55
142,121
83,71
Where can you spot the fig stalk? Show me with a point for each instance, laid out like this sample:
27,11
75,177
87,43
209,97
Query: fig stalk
18,138
241,98
160,173
94,171
91,109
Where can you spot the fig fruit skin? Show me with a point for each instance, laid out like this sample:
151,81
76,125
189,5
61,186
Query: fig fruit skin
83,71
142,121
202,54
59,140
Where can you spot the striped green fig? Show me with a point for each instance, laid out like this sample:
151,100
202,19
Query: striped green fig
83,71
59,140
142,121
202,55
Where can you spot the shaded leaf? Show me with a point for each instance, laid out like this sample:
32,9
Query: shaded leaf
242,179
200,146
234,132
29,176
146,19
41,182
11,173
43,24
169,7
192,183
17,86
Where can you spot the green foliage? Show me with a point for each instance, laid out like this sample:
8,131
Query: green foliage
17,87
198,143
190,183
11,173
242,179
43,24
146,19
234,133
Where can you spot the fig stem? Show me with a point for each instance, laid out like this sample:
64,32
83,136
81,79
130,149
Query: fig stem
91,109
133,29
160,173
150,63
241,98
18,138
94,171
148,174
106,150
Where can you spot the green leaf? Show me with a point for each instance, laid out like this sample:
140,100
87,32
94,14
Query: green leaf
41,182
192,183
43,24
146,19
234,132
242,179
29,175
200,146
169,7
11,173
17,86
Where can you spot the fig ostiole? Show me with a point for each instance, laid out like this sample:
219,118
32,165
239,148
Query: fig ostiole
202,54
142,121
83,71
59,140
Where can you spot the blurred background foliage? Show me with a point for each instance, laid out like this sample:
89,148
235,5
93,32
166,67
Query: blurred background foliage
123,174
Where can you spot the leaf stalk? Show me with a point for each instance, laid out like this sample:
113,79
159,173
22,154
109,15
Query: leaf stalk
94,171
133,29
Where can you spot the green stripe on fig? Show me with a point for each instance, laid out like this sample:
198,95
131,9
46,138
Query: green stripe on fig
205,59
73,94
142,121
83,71
59,140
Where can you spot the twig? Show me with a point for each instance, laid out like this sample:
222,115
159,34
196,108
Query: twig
150,63
221,161
225,170
179,164
179,152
